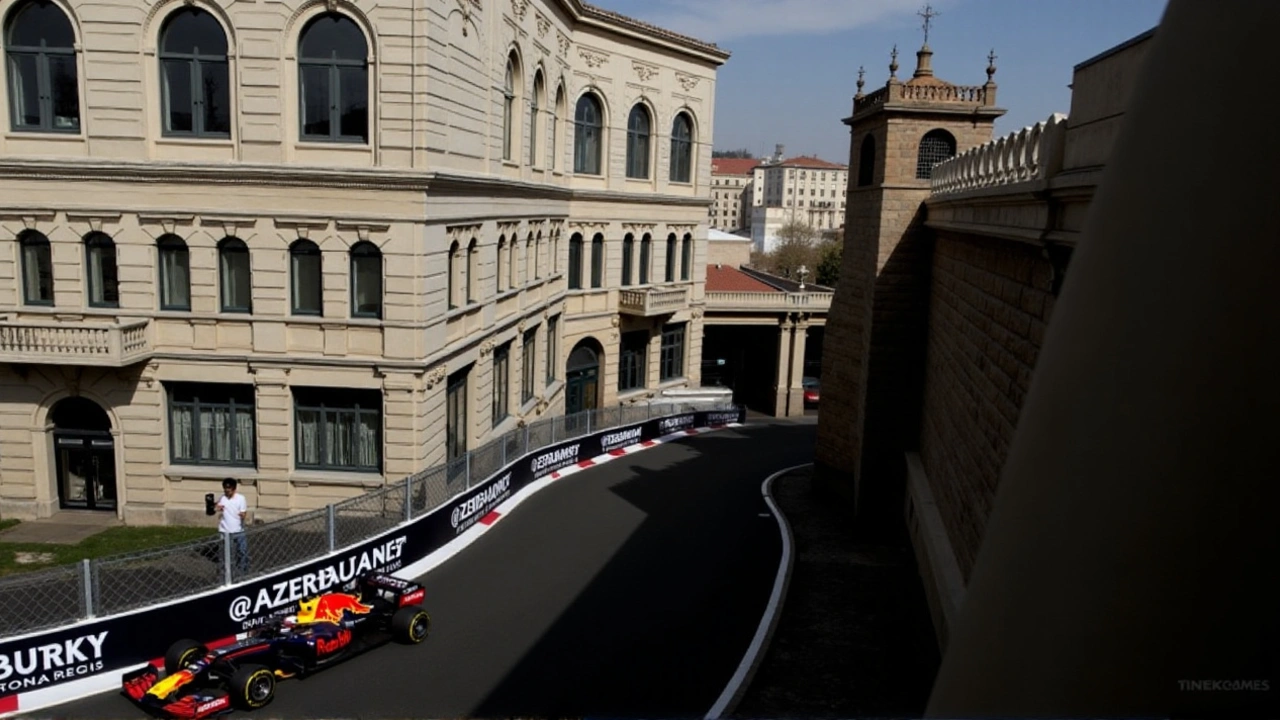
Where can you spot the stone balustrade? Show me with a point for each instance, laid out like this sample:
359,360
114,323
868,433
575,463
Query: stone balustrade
730,301
1032,153
944,93
67,343
651,301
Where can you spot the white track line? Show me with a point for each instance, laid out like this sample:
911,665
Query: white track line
741,679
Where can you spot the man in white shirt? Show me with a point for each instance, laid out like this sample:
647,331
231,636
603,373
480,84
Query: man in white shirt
232,511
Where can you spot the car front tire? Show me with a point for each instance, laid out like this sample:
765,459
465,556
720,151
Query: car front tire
181,654
253,686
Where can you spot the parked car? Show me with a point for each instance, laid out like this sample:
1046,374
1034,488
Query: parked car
812,391
197,682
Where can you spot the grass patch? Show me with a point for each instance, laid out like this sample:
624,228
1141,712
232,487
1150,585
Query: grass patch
111,541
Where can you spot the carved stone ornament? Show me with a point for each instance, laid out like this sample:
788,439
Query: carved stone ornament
464,7
436,376
564,45
697,313
593,58
688,82
544,25
519,8
614,320
644,71
486,348
520,327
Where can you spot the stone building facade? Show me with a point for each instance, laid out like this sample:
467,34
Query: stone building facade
948,285
319,245
801,189
732,191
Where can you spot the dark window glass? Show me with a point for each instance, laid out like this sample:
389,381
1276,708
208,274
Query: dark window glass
686,256
334,80
44,90
366,280
681,148
671,258
553,348
195,89
211,424
575,261
235,276
638,143
306,278
528,363
102,271
628,249
501,383
646,260
456,415
37,269
175,273
338,429
672,353
631,360
867,160
597,261
587,135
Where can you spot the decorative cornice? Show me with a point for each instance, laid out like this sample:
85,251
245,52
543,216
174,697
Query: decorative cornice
436,376
638,228
486,347
687,81
586,226
211,174
362,228
622,22
644,71
463,232
563,41
592,57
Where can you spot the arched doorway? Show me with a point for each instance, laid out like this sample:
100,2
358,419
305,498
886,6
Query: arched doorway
582,378
85,455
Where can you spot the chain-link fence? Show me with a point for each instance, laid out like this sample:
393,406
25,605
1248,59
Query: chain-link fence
65,594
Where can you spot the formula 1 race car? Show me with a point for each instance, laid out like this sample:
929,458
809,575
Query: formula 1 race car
198,682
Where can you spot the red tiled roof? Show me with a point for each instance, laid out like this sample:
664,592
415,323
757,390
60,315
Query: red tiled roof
733,166
724,278
808,161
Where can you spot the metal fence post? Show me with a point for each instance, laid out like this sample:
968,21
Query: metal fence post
408,498
504,451
88,587
589,414
527,449
226,558
331,525
553,431
467,461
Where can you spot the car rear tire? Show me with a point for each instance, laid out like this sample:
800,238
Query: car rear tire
182,654
252,687
410,624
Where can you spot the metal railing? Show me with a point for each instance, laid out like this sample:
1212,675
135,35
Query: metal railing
66,594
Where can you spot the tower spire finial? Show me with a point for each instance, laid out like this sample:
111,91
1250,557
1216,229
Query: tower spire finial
991,65
928,13
893,62
861,71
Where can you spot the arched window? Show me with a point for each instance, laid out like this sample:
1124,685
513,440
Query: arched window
681,148
537,257
628,249
671,258
175,273
597,261
935,146
473,254
686,256
867,160
588,134
333,80
235,276
575,261
554,252
195,87
529,260
502,263
513,270
646,258
100,263
44,85
638,143
366,280
37,268
558,113
509,108
535,120
305,280
453,276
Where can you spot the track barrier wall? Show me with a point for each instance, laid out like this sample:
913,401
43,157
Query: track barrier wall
56,665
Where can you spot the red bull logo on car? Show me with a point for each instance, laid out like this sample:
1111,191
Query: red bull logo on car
331,608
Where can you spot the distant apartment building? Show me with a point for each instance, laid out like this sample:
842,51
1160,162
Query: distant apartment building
799,189
731,193
322,246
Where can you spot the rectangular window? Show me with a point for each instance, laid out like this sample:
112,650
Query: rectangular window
631,360
338,429
672,355
528,361
211,424
575,262
597,261
553,348
628,249
456,414
501,383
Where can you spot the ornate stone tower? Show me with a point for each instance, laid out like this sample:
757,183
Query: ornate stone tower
872,365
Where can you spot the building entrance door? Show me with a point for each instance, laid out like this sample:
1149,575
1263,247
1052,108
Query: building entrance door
581,380
85,455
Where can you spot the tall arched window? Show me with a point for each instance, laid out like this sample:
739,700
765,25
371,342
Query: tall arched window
44,85
473,275
500,273
513,270
867,160
305,280
235,276
37,268
366,280
556,125
686,256
597,261
333,80
175,273
682,148
103,276
671,258
638,126
195,90
535,120
935,146
588,133
454,284
529,260
628,249
575,261
646,258
509,86
537,257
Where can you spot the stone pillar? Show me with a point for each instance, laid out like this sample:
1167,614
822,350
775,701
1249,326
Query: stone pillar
795,394
782,381
274,443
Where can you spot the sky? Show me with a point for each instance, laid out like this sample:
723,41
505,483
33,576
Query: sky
794,65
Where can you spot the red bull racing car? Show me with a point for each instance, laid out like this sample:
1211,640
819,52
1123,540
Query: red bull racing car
197,682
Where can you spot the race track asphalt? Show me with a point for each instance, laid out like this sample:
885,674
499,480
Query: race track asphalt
630,589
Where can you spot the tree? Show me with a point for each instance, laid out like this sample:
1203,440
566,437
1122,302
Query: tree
796,247
830,254
743,154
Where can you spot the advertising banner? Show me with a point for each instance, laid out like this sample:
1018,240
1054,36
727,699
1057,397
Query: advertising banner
127,641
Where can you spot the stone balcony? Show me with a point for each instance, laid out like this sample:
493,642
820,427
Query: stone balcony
51,342
757,301
653,301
